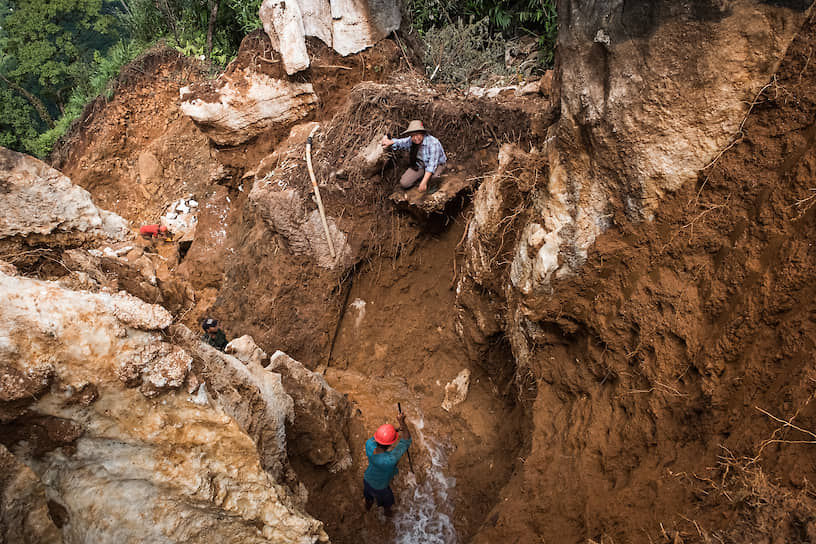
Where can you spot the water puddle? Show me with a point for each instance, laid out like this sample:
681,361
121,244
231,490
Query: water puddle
424,515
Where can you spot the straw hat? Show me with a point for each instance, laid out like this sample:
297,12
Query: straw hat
415,126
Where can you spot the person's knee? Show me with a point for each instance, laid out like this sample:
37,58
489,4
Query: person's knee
409,178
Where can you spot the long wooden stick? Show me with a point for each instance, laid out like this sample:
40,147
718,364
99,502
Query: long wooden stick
408,451
317,191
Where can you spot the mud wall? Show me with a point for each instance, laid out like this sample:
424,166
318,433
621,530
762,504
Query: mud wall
659,297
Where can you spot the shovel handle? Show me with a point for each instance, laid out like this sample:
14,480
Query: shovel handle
410,461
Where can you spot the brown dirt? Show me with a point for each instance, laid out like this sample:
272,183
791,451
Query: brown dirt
650,366
403,347
654,366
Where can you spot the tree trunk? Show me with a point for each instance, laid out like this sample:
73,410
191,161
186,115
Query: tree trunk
211,26
169,18
42,111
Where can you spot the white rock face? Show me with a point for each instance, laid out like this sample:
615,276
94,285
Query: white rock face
293,214
133,468
247,351
358,25
37,199
669,87
283,22
245,104
253,397
348,26
456,391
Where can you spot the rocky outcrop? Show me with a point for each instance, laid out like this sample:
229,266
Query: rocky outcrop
124,453
250,395
318,420
639,305
129,268
346,26
322,415
37,200
497,211
282,204
238,106
651,92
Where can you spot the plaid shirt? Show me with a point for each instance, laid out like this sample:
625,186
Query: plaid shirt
430,153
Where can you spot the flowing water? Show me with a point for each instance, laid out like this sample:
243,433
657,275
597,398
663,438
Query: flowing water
423,514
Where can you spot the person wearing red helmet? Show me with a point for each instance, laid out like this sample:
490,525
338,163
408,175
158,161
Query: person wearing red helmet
153,231
384,450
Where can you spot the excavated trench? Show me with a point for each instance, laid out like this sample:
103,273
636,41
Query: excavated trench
635,417
397,343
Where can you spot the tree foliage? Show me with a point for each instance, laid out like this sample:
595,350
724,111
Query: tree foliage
57,55
507,19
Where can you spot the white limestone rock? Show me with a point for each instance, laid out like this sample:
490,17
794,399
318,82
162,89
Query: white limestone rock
37,199
239,106
138,469
669,88
456,391
347,26
283,23
358,25
247,351
247,393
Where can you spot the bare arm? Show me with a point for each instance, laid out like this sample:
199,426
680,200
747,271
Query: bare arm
423,185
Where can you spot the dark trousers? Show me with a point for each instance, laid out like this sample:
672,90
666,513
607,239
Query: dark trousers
384,497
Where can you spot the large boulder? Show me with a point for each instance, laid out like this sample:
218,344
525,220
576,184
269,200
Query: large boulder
318,422
37,200
283,23
250,395
238,106
287,209
121,463
322,415
345,25
668,82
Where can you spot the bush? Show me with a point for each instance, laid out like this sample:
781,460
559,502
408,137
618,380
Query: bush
503,20
462,54
246,14
99,81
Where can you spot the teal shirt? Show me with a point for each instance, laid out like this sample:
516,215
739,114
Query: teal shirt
382,467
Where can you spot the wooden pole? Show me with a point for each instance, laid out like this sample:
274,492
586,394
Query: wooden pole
408,451
317,191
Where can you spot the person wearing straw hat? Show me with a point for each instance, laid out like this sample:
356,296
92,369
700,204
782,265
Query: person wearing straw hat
427,157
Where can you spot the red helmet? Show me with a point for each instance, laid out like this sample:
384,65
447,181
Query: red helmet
386,435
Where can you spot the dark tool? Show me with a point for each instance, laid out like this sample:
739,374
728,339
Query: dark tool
408,451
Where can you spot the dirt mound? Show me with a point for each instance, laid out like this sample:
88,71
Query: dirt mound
649,369
668,370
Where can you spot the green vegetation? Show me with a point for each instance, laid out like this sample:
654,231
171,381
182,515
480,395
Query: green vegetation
59,55
465,41
56,56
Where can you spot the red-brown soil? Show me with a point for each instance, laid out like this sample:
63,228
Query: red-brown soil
660,367
652,366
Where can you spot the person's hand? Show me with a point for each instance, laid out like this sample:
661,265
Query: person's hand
386,142
401,419
423,186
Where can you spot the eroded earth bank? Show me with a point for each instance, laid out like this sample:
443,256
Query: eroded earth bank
618,266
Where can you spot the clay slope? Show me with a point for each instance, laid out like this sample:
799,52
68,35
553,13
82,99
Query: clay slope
667,367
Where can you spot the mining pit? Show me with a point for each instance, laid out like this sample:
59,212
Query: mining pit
629,293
